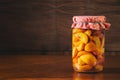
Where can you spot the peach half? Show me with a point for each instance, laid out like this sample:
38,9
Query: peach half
88,59
80,53
83,37
90,47
74,52
97,41
80,46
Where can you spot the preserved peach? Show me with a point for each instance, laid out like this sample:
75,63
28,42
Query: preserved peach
80,62
74,52
83,37
81,66
85,67
80,46
75,39
80,53
96,39
88,50
89,59
75,44
90,47
75,60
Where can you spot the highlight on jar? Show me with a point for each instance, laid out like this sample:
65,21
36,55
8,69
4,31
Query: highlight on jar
88,39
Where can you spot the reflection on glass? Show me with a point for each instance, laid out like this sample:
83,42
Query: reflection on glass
87,76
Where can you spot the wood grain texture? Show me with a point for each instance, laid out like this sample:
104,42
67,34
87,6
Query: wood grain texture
44,25
51,67
102,7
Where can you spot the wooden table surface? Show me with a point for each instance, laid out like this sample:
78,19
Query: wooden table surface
53,67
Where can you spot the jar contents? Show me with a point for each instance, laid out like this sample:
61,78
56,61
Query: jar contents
88,43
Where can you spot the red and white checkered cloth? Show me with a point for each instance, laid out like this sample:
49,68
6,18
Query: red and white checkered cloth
90,22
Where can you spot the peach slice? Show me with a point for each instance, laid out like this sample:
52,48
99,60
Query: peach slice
97,41
82,66
74,52
80,53
90,47
88,32
74,38
85,67
75,60
80,62
83,37
89,59
80,46
76,44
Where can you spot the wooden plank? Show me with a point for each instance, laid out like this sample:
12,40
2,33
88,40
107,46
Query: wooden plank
44,25
39,79
26,25
102,7
27,67
69,7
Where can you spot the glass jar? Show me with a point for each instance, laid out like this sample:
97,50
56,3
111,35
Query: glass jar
88,43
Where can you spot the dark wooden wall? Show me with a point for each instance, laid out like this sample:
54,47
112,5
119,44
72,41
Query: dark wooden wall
44,25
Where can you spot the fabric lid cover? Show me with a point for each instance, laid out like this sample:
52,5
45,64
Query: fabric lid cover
90,22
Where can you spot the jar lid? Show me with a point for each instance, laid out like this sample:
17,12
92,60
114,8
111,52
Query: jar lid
90,22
